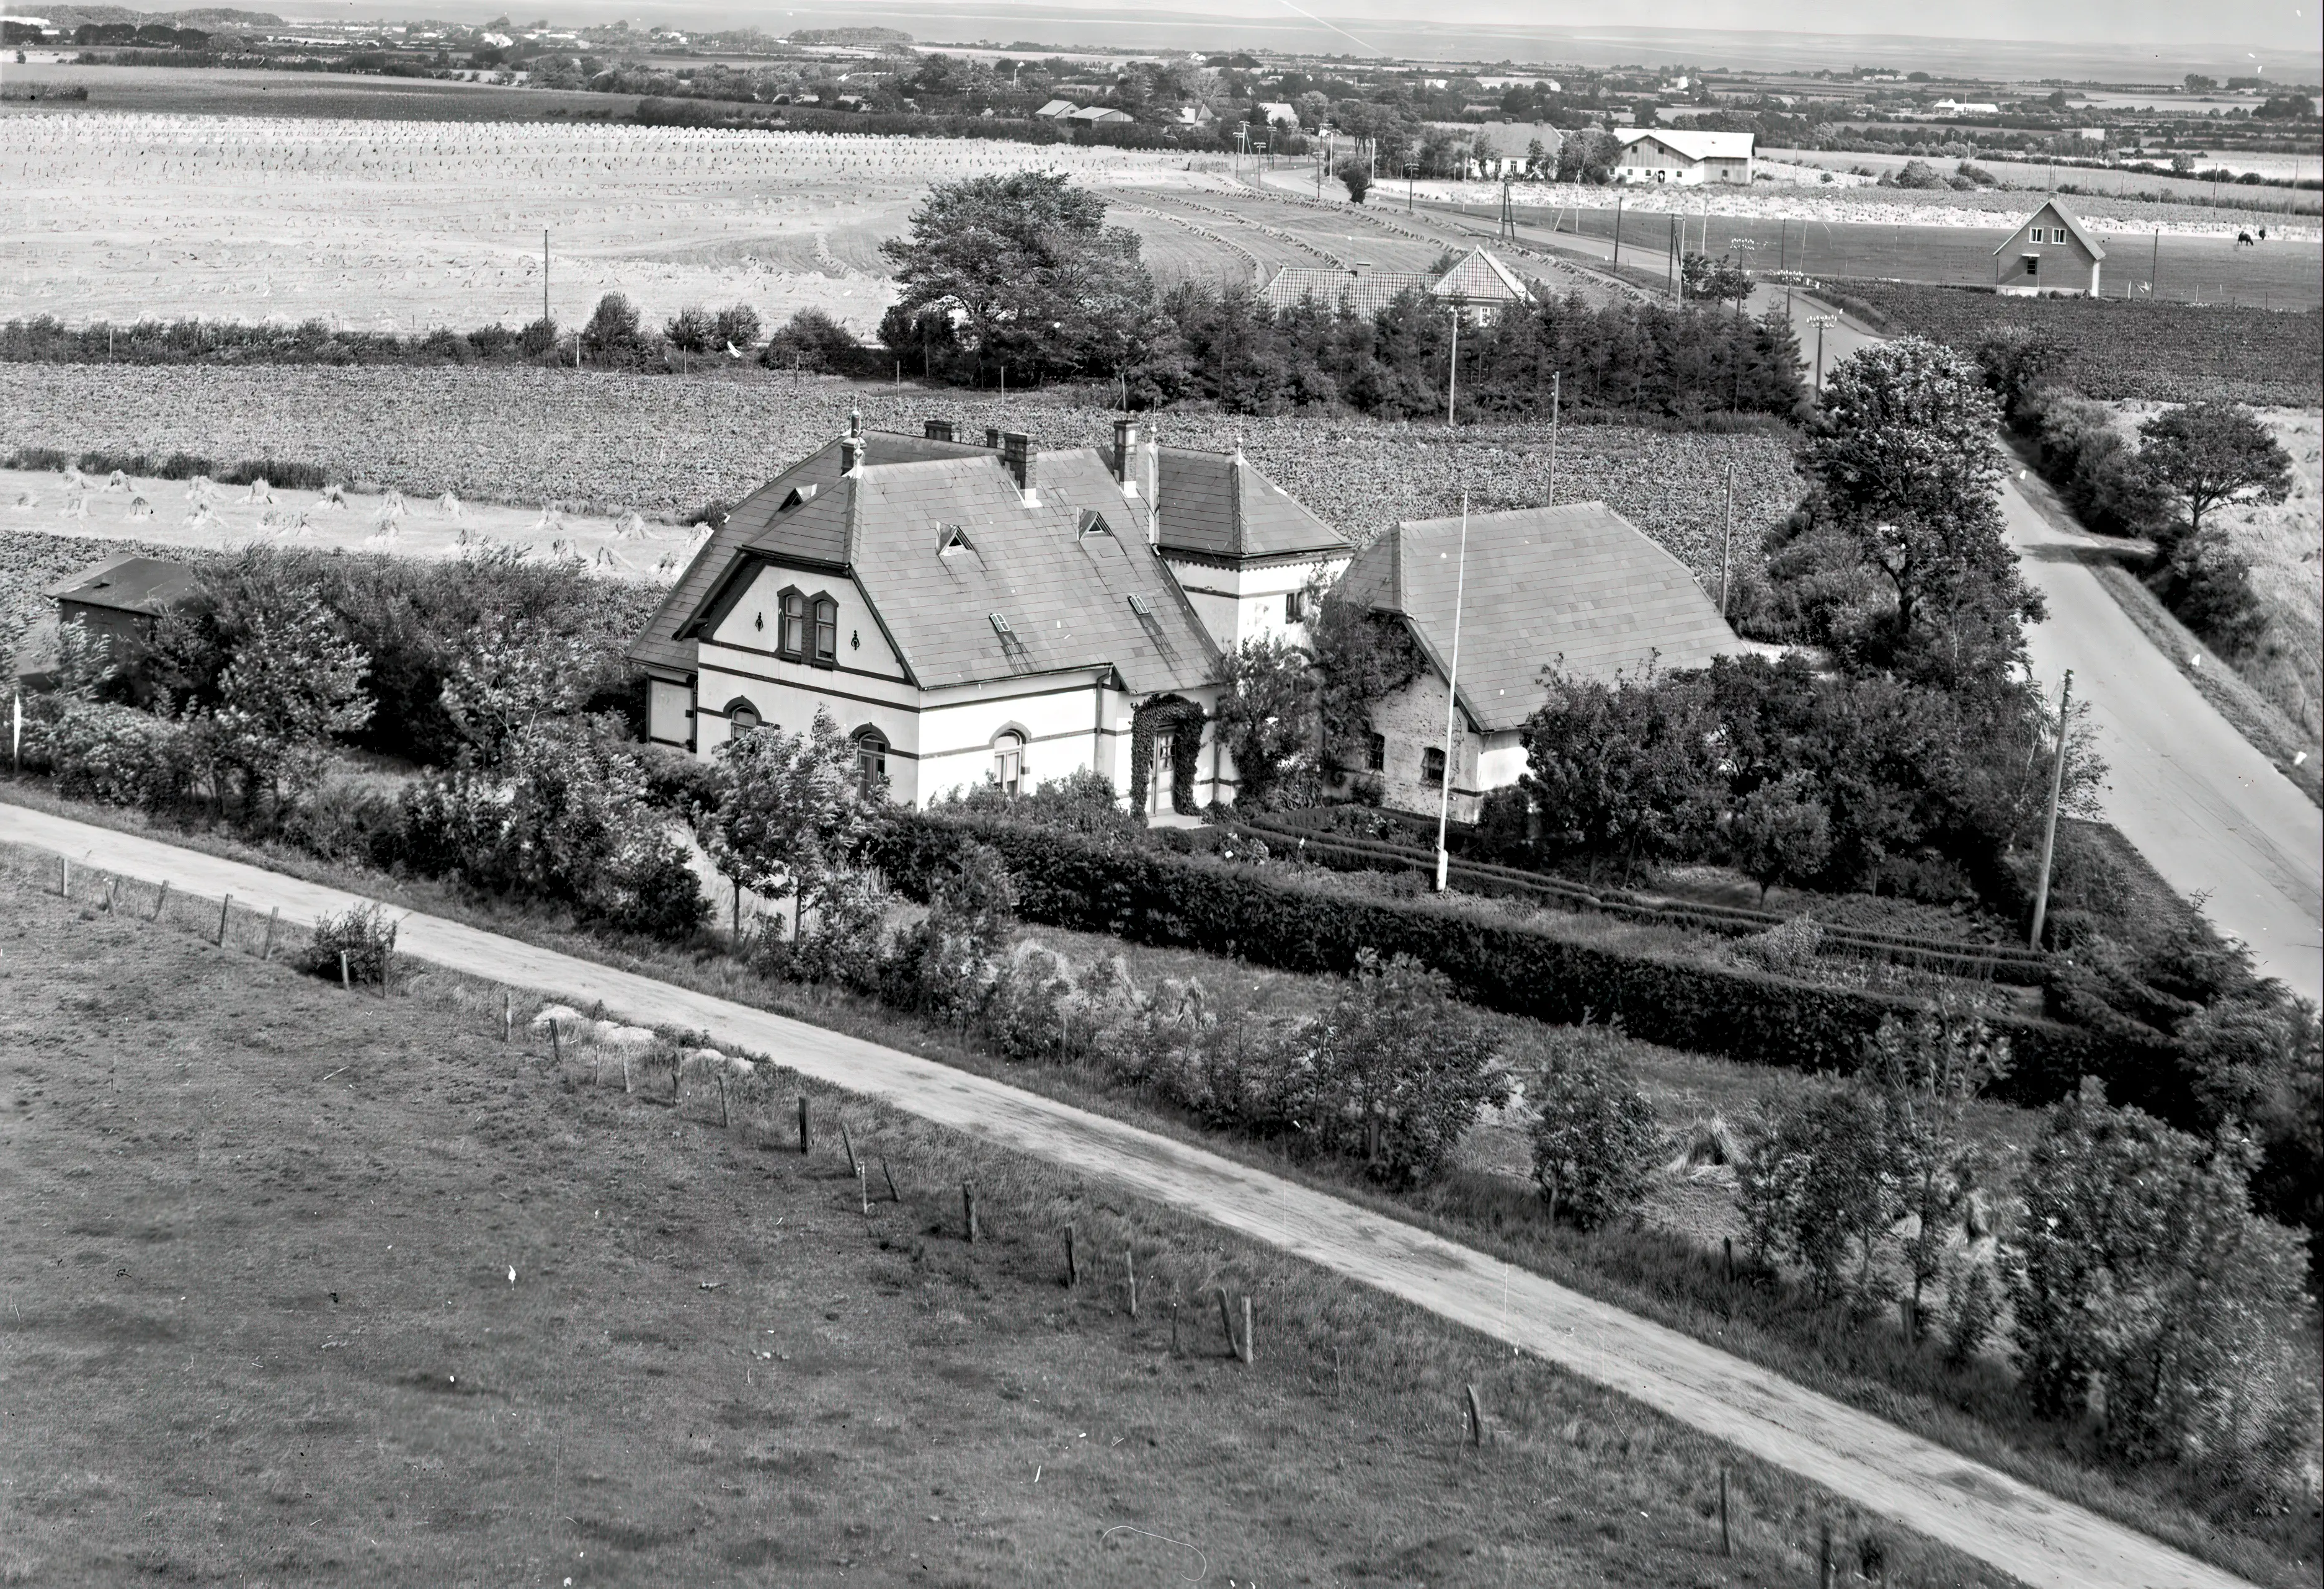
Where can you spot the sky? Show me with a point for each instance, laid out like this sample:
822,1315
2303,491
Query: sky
2145,40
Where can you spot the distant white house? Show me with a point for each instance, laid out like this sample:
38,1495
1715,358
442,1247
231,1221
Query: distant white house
1278,114
1952,107
1478,282
1056,109
2050,251
1192,116
1091,115
1682,157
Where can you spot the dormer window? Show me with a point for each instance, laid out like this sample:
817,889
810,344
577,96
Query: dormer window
798,495
1093,523
1140,606
952,538
790,628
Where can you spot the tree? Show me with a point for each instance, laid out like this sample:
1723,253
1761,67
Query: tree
810,340
1724,280
1398,1069
1594,1141
2013,360
1622,770
511,676
1268,719
1356,177
790,812
1362,657
1025,273
2141,1273
615,330
736,326
2206,454
1928,1070
293,684
1818,1188
692,329
1781,832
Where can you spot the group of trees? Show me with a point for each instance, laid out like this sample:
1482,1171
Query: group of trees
1019,276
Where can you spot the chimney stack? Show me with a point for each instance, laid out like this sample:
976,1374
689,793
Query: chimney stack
1017,458
938,429
856,422
1125,452
851,454
993,437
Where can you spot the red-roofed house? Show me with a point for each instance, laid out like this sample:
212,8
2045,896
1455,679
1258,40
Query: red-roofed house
986,614
1576,588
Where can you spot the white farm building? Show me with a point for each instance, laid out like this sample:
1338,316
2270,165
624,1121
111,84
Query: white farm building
1678,157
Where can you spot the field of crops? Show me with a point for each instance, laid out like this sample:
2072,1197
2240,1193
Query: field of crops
663,445
2165,351
404,225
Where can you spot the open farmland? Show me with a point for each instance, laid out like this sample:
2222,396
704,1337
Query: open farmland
258,1228
406,226
229,91
2160,351
663,445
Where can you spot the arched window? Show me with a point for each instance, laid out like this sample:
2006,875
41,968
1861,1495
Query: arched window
827,632
1432,767
790,636
1009,761
741,716
871,760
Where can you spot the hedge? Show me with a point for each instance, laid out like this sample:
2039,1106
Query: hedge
1271,917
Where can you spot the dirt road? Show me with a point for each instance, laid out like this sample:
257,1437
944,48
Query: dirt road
2206,808
1976,1508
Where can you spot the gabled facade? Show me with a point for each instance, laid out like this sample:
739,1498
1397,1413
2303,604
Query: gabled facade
2050,251
993,614
1574,588
1479,281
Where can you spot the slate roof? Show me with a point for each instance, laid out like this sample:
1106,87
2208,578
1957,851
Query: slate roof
1057,107
1480,278
1364,294
2057,212
1575,586
1062,590
1216,504
128,583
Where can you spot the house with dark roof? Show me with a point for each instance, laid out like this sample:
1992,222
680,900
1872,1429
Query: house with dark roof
1479,283
117,603
2050,251
1574,589
987,614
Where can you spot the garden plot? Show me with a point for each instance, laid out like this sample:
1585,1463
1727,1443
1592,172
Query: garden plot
407,226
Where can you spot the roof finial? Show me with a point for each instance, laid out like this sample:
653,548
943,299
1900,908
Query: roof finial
1239,457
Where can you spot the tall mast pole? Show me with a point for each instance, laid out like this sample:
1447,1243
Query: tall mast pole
1452,697
2049,827
544,273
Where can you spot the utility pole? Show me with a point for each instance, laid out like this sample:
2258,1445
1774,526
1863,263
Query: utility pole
1451,696
1556,379
1509,232
1411,170
1618,233
2049,827
544,274
2154,262
1453,381
1820,322
1726,547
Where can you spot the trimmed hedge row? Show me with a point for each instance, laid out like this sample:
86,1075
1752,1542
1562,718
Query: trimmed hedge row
1151,894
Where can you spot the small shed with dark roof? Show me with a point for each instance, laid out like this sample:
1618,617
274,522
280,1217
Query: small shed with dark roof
1576,588
117,602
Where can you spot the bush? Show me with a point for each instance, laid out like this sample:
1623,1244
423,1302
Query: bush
103,751
1594,1141
692,330
811,340
736,326
1396,1070
1816,1189
362,934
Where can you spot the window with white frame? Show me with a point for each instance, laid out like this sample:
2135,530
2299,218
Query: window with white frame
1009,761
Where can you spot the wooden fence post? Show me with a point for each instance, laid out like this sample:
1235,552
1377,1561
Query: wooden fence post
889,1176
225,905
1072,1270
802,1125
1728,1243
507,1025
112,892
968,1210
1824,1557
1476,1417
1226,1323
1249,1346
1726,1536
273,918
555,1043
64,877
161,900
1129,1264
863,1187
855,1165
348,984
725,1119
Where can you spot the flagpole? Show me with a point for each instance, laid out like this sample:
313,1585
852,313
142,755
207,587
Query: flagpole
1453,695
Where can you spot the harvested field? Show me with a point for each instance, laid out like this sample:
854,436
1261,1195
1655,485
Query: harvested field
406,226
664,445
258,1226
2163,352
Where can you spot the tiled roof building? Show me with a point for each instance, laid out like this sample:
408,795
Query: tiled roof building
1479,280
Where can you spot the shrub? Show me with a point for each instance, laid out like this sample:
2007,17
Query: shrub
363,933
947,964
811,340
2140,1273
103,751
736,326
1816,1189
1594,1141
692,330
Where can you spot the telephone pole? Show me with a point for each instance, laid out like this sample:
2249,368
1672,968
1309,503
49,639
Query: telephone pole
1726,547
2049,827
544,274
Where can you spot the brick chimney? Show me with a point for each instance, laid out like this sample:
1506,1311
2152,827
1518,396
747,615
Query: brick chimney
851,454
1125,456
1017,458
937,429
993,437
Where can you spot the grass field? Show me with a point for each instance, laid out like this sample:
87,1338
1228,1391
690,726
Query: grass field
407,224
303,1285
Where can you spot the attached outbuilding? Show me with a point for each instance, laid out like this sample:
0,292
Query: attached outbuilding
2050,251
1682,157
